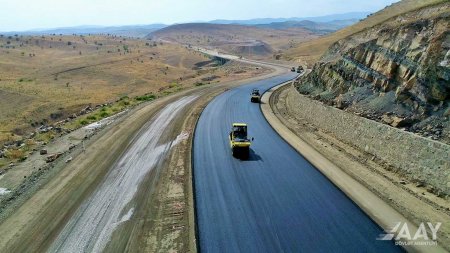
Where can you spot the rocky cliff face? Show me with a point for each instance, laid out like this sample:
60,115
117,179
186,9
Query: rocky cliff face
397,72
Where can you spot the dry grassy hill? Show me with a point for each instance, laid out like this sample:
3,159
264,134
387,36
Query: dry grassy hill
46,79
310,51
236,39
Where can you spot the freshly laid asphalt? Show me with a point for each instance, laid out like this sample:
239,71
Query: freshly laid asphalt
275,201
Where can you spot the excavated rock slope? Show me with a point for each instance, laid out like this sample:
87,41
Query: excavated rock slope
397,72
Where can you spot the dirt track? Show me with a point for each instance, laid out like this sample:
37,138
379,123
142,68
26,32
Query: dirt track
83,189
92,225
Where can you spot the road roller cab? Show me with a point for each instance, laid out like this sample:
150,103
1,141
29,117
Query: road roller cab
239,141
256,96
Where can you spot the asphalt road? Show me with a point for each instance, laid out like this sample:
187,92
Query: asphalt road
274,202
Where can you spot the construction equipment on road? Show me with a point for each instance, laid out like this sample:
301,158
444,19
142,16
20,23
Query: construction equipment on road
239,141
256,96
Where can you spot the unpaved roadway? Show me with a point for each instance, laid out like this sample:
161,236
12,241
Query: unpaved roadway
91,227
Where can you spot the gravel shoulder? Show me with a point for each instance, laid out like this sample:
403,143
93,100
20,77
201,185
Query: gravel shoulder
380,193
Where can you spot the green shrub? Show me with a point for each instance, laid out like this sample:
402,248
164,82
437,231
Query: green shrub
147,97
104,114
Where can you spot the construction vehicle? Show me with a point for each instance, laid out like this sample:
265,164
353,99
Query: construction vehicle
239,141
300,69
256,96
293,69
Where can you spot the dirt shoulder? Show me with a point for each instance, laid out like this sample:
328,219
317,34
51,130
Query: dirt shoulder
382,194
33,225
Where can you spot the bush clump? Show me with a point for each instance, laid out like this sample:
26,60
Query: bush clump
147,97
84,122
104,114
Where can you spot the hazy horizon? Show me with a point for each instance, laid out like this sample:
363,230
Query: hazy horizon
48,14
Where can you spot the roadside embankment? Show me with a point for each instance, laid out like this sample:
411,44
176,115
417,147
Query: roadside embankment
327,137
421,160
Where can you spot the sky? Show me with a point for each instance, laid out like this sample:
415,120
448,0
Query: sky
36,14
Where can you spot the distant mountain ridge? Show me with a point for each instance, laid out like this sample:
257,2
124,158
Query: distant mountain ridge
128,30
326,18
317,27
143,30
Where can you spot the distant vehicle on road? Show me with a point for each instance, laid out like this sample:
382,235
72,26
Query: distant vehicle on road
239,141
293,69
300,69
256,96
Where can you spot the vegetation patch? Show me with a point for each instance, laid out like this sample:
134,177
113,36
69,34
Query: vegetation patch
147,97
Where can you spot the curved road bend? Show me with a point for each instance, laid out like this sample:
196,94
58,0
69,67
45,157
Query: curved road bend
274,202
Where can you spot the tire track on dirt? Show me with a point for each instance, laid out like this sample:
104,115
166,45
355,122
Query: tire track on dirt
94,222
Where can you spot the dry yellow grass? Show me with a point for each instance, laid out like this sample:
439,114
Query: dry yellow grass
44,79
312,50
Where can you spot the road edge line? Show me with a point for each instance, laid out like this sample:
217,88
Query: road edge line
376,208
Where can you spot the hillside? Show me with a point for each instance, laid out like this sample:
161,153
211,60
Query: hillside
310,51
47,80
236,39
396,72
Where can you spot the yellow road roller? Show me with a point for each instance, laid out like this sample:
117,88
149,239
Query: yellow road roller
239,141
